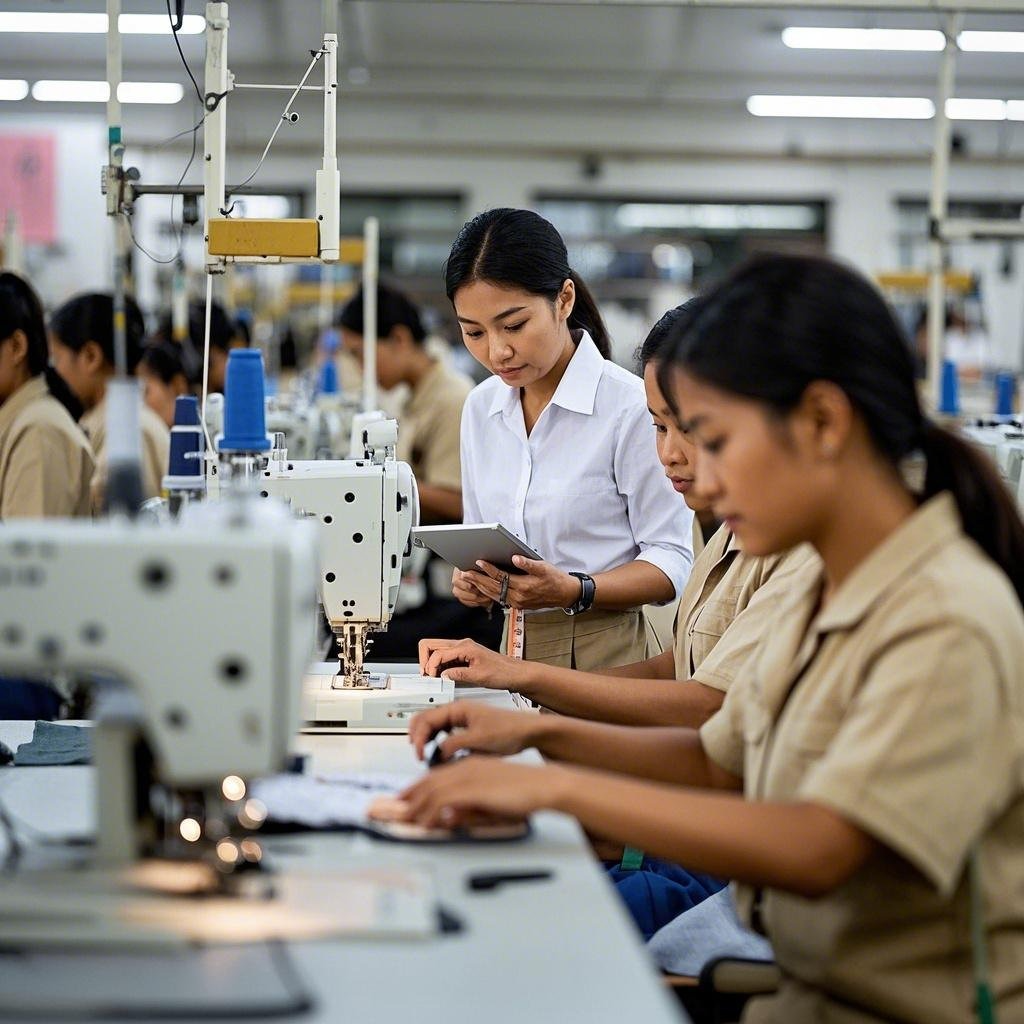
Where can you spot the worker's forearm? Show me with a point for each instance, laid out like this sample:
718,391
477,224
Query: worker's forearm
632,585
440,504
623,701
661,666
803,848
662,754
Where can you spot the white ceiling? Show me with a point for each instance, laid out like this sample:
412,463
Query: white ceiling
522,76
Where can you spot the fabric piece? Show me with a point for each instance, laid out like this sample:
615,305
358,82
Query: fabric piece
659,891
155,451
428,435
56,744
709,931
585,488
46,465
900,706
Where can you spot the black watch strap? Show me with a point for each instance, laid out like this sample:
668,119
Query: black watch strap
588,590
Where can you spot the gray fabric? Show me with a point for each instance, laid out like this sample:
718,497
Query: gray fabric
56,744
707,931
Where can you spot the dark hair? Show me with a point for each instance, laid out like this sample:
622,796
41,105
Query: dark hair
223,333
21,310
165,360
393,310
90,317
519,248
661,338
779,323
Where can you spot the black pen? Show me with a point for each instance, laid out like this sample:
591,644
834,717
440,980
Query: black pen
487,880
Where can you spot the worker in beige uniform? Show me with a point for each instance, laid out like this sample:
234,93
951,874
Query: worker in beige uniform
46,464
82,351
723,609
862,782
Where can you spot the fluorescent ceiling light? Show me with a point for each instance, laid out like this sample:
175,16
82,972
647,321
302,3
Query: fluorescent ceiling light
78,24
13,88
992,42
716,216
150,92
1015,110
803,38
976,110
51,91
888,107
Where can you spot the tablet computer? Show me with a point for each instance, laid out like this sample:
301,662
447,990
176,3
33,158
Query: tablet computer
463,546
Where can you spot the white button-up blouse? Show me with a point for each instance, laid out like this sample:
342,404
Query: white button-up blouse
585,489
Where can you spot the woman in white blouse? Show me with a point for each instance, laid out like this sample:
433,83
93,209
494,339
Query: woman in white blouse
556,447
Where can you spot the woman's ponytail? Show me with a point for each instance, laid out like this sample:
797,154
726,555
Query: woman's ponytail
586,316
987,510
59,389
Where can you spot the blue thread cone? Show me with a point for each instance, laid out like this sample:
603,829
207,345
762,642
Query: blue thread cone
327,384
186,411
1006,388
949,400
245,421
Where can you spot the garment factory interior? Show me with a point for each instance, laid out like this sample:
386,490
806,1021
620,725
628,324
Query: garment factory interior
510,511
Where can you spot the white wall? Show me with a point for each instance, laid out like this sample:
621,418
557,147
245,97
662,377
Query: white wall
861,192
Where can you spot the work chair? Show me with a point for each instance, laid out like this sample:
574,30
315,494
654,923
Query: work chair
721,991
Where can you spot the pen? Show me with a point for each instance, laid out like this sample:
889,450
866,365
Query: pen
485,881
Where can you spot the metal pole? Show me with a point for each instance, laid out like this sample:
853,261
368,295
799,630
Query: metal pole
215,127
371,241
328,179
115,162
937,210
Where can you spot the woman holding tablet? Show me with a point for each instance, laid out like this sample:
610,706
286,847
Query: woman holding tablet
555,447
862,782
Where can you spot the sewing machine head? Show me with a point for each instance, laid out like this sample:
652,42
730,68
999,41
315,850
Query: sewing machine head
200,632
366,509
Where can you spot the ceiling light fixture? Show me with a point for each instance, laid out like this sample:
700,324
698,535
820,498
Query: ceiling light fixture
13,88
807,38
55,91
96,24
885,107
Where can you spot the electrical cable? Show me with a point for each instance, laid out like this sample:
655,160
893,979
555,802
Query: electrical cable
177,42
286,116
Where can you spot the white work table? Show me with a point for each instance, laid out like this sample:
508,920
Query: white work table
561,950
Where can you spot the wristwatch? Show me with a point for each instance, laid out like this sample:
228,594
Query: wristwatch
588,590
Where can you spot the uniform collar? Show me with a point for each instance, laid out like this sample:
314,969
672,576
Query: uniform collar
935,524
34,388
576,391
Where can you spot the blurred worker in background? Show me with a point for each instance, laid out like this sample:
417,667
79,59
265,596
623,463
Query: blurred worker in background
162,372
82,351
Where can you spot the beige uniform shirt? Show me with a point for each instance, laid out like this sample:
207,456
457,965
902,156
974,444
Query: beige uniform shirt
729,590
46,465
901,706
156,445
428,431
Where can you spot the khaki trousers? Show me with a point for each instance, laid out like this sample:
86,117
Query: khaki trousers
594,640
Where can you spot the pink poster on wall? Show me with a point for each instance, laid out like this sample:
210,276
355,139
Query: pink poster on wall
28,184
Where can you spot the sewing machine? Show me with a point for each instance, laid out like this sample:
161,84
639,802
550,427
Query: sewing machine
1003,441
366,509
200,631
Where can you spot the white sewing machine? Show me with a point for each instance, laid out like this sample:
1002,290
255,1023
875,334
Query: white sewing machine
1003,441
366,509
201,630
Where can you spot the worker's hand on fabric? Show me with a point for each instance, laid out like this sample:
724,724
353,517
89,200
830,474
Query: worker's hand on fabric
466,592
452,794
473,727
466,661
537,584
